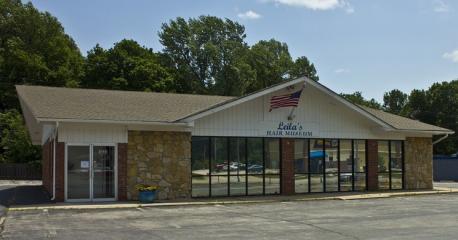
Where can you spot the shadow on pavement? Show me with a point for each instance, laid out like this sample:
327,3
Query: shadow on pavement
23,195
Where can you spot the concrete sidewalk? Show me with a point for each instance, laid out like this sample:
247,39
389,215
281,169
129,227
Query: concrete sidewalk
235,200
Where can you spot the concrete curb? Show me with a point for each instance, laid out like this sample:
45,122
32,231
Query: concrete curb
228,202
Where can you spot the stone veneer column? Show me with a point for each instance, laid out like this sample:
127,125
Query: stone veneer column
159,158
60,172
372,165
418,163
287,166
122,171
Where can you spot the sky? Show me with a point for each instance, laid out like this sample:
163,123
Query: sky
356,45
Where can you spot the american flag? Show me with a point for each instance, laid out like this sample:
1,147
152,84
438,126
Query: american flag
287,100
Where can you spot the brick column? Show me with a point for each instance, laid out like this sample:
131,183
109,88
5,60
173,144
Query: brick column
372,165
287,166
46,166
60,172
122,171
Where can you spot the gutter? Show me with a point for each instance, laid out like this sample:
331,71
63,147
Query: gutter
440,139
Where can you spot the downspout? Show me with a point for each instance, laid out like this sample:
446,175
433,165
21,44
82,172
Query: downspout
440,139
54,163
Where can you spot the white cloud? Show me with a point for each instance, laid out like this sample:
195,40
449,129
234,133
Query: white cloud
249,15
318,4
453,56
441,7
341,70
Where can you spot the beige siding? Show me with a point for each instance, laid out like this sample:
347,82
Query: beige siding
317,112
92,133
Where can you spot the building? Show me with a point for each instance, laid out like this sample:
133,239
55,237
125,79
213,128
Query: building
98,144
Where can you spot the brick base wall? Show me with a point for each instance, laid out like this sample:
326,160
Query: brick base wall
287,166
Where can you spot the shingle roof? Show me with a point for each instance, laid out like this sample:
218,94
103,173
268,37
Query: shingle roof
133,106
91,104
403,123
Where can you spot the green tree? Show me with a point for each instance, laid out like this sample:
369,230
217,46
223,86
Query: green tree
207,54
126,66
303,67
271,61
15,144
394,101
34,49
437,105
357,98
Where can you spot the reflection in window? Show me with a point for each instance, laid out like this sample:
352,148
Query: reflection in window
272,165
199,165
255,166
390,167
316,157
359,175
396,165
346,175
301,158
383,157
360,155
219,166
237,166
331,165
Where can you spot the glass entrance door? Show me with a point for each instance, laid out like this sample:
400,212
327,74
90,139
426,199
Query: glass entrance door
103,172
91,173
78,172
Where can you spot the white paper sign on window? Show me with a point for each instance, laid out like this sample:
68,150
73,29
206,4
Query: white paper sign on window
84,164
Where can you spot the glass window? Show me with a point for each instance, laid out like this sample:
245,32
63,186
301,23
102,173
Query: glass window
272,165
255,166
331,157
219,156
272,155
359,155
316,182
219,166
360,181
316,157
254,156
237,166
396,156
390,175
301,157
383,156
331,164
301,183
396,180
332,182
383,181
272,184
200,151
346,176
396,165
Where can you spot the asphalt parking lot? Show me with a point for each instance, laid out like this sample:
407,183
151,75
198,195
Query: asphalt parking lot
419,217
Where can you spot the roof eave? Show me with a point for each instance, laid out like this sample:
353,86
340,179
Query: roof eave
130,122
433,132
